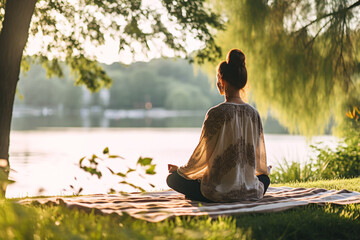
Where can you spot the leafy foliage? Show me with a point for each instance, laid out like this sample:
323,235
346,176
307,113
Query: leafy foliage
329,163
302,57
293,172
343,161
94,165
67,27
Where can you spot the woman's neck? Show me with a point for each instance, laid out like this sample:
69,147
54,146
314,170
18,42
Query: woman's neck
232,94
234,98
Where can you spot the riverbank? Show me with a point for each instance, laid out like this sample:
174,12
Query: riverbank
310,222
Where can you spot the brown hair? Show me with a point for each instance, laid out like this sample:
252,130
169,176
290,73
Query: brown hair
233,70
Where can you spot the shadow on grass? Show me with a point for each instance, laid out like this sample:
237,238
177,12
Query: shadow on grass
307,222
56,222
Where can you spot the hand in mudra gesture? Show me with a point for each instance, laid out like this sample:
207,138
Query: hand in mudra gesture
172,168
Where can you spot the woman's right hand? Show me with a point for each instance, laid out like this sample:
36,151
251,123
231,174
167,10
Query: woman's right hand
172,168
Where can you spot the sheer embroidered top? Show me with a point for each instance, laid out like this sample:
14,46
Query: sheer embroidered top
230,154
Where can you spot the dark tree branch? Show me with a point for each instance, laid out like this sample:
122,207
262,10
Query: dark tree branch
317,34
356,4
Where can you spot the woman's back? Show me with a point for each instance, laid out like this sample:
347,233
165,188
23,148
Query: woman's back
230,153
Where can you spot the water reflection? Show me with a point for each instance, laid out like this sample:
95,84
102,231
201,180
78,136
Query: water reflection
88,118
30,119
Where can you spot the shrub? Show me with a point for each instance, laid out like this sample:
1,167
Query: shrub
344,161
294,172
341,162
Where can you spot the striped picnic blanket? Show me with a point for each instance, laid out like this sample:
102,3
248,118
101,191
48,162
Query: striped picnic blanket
158,206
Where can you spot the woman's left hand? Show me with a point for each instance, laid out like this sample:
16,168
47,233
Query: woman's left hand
172,168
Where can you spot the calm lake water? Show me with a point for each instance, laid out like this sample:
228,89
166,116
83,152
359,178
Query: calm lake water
44,161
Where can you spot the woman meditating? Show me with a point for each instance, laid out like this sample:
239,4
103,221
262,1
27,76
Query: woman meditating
229,163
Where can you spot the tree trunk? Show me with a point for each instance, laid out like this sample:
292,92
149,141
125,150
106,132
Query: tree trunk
13,37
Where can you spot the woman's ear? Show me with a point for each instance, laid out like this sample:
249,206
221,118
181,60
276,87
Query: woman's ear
220,87
222,82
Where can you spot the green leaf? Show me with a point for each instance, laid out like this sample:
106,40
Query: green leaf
79,191
144,161
130,170
112,172
81,160
111,191
151,170
124,194
115,156
106,150
121,174
133,185
92,171
93,161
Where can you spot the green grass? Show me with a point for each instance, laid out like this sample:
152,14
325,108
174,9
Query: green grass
309,222
352,184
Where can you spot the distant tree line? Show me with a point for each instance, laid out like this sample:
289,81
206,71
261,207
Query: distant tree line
165,83
160,83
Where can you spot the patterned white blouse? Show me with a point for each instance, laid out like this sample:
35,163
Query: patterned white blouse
230,154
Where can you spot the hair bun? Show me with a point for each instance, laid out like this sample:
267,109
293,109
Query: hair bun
236,58
233,70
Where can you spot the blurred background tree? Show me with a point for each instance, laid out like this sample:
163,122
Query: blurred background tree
302,56
164,83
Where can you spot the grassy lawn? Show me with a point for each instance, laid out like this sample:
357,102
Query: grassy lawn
310,222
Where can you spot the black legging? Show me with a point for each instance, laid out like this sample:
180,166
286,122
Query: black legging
191,188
